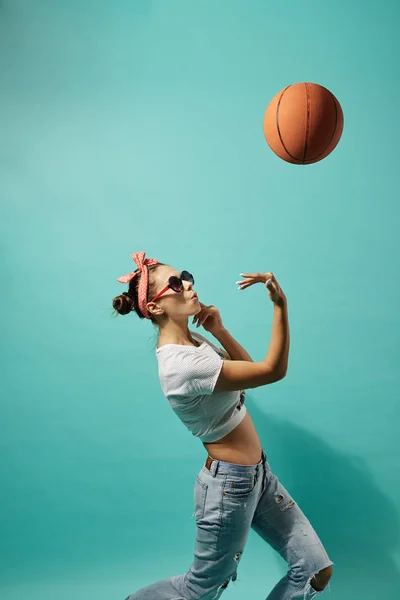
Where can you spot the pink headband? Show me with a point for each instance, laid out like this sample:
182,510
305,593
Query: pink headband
142,264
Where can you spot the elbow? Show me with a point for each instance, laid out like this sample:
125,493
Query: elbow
281,374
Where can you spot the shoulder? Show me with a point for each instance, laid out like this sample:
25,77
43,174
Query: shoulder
189,371
179,358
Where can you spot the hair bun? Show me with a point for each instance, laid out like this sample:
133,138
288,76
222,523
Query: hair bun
123,304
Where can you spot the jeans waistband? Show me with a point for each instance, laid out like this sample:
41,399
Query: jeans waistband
220,466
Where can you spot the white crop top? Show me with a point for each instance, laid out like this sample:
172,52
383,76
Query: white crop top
188,375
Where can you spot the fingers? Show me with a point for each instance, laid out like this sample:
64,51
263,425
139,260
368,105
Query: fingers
196,317
275,292
252,278
276,285
200,317
256,276
243,285
273,285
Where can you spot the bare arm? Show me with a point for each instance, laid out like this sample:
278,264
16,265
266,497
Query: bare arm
233,348
285,357
241,374
278,352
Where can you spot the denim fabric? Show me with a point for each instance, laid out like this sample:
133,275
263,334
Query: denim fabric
229,499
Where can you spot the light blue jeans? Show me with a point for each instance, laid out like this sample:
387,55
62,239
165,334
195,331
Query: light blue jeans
229,499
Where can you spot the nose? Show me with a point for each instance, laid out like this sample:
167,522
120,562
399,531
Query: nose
189,289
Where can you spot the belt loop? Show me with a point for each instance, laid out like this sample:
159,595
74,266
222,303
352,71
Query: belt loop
214,467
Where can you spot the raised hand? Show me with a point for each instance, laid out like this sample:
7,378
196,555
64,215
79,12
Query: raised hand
275,292
209,318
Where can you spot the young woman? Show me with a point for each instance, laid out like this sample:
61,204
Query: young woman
235,489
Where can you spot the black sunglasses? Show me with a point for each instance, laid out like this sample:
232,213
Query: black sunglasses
176,283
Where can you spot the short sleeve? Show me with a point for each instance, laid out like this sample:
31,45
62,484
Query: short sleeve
194,374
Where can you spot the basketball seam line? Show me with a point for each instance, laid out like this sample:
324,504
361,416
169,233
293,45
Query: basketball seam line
277,125
307,124
334,129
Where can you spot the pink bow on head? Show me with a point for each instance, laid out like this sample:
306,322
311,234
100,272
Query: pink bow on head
143,265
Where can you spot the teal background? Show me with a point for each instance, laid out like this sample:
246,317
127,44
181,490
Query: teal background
129,126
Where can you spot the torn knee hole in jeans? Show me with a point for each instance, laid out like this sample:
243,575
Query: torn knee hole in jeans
232,577
310,591
221,588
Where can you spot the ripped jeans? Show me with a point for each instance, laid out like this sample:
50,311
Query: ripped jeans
229,499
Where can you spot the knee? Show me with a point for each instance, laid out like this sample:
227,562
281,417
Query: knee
321,579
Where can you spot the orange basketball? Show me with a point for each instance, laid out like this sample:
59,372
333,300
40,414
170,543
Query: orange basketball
303,123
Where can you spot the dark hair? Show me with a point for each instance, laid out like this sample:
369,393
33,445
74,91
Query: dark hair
128,301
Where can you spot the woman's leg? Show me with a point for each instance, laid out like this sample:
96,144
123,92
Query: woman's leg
225,499
282,524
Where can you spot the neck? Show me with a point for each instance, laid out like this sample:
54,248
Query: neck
175,332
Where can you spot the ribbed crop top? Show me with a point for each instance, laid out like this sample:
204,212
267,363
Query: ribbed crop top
188,375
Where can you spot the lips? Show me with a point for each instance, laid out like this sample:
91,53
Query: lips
195,296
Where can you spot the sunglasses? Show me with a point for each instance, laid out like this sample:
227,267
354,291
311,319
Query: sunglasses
175,283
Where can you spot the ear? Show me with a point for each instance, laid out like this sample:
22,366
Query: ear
155,309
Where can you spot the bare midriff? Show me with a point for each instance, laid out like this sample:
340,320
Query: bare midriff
241,446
